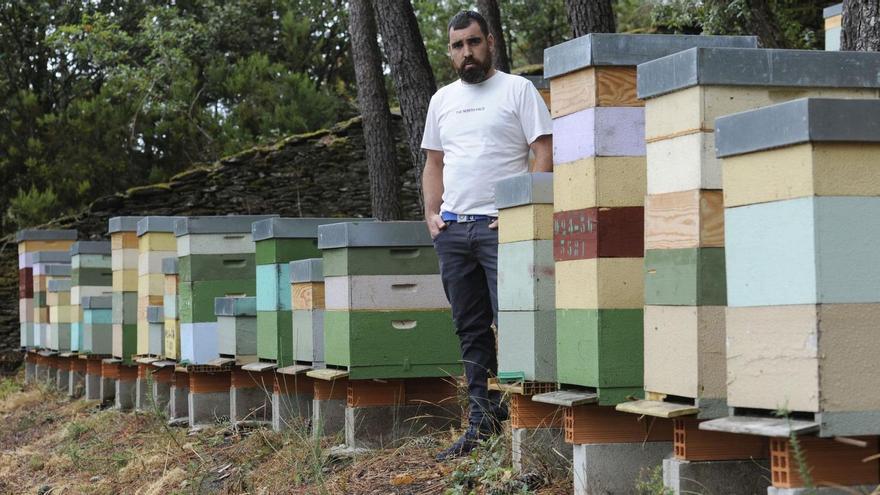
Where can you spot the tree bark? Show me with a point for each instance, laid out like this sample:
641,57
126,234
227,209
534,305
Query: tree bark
590,16
410,70
490,10
373,102
860,27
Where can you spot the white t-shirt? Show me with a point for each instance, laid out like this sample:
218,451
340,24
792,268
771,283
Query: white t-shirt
484,131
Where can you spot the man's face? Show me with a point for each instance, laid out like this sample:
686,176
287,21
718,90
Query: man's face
471,53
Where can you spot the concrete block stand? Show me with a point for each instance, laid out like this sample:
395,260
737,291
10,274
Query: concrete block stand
744,477
208,398
614,468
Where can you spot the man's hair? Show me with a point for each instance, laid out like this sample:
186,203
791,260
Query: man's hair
464,19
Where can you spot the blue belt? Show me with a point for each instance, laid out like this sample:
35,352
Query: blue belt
454,217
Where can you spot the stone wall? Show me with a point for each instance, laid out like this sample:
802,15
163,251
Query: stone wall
321,174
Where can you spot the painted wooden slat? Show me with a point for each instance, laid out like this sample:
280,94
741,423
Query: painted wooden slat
380,261
157,241
526,276
273,287
684,351
275,336
215,244
601,181
123,240
804,251
198,342
308,336
270,251
687,219
598,233
229,266
685,277
525,223
308,295
601,131
385,292
600,283
809,169
527,344
594,87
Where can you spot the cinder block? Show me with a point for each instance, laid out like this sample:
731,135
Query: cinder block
600,283
598,233
384,292
685,351
526,276
540,449
525,223
614,467
328,417
747,477
601,181
601,131
125,396
208,408
804,251
685,277
527,344
380,427
251,405
290,410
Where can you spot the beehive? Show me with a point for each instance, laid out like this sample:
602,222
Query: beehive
307,300
97,325
30,241
407,331
124,266
685,273
278,242
156,241
171,348
215,259
90,276
803,272
526,302
57,262
58,300
833,16
599,189
237,328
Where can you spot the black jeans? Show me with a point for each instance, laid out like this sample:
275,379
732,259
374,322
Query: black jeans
468,255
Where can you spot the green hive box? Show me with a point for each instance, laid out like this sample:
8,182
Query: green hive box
278,242
685,277
204,267
378,343
601,349
196,299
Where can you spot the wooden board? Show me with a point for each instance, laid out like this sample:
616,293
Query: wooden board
657,409
308,295
525,223
327,374
599,131
686,219
600,283
598,233
601,181
567,398
767,427
685,277
593,87
157,241
123,240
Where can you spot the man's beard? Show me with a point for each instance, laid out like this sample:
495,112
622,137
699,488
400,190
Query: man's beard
475,73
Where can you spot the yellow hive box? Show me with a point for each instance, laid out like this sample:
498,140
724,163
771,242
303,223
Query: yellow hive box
32,246
524,223
59,314
123,240
41,315
172,339
594,87
157,241
57,299
686,219
152,284
809,169
125,281
76,314
599,182
600,283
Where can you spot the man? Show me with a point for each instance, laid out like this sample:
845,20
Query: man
479,130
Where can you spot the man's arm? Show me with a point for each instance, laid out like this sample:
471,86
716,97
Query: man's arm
432,188
543,150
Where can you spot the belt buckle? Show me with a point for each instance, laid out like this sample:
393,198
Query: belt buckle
465,218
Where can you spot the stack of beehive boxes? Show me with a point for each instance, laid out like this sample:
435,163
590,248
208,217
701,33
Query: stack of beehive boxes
171,348
44,262
124,264
58,300
802,198
156,242
280,241
236,326
29,242
90,276
216,259
97,325
307,301
685,260
833,16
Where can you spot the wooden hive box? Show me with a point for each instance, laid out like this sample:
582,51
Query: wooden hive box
385,342
171,348
802,268
124,266
526,302
237,328
97,325
59,308
47,266
308,303
278,242
90,276
599,189
156,241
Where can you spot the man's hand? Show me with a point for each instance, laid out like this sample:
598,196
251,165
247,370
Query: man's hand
494,224
435,224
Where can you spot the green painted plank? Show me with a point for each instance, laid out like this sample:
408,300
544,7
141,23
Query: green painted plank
381,261
275,336
196,299
271,251
392,344
600,347
685,277
129,343
202,267
91,277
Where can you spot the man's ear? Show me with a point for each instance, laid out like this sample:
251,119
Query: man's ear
491,40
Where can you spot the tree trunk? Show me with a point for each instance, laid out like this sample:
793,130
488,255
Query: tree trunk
860,29
590,16
490,10
373,102
410,70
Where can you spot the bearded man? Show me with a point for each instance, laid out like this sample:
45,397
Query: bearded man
479,130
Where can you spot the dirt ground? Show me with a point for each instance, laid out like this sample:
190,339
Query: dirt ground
50,444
